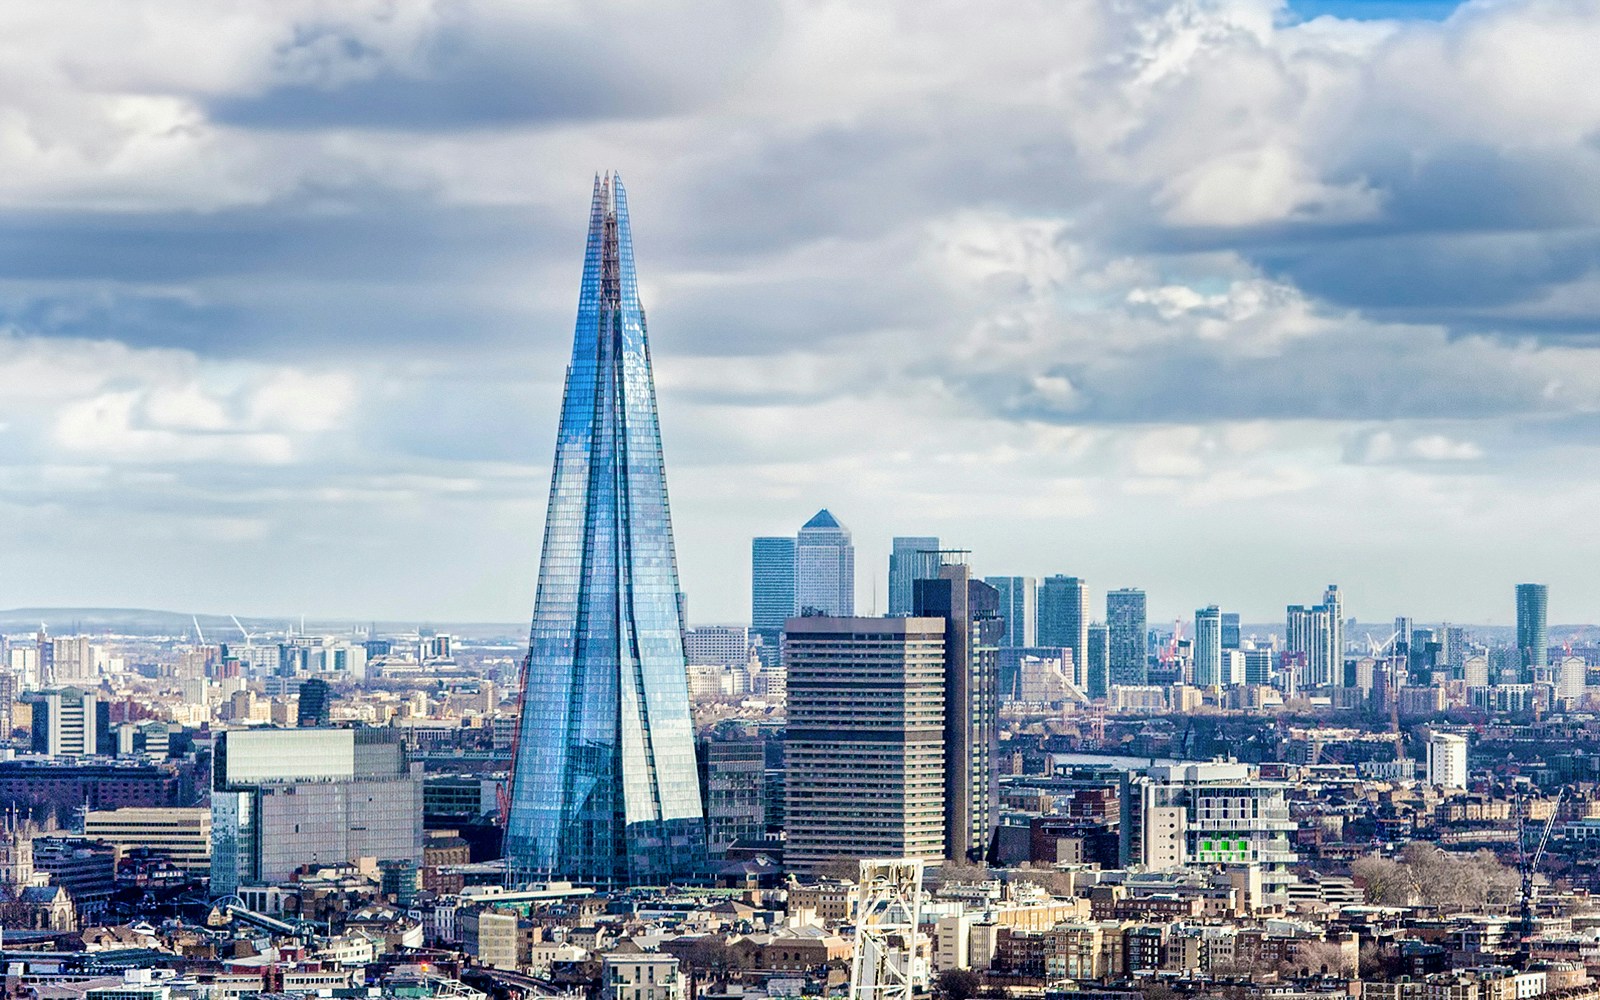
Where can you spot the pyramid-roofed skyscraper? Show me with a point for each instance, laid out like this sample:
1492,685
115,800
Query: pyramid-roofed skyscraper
604,785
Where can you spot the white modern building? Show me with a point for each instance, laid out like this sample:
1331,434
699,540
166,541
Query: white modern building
1447,760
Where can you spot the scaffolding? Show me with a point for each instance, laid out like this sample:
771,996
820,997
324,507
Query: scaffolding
888,906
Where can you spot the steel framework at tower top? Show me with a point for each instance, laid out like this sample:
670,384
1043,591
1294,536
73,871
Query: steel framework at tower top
888,906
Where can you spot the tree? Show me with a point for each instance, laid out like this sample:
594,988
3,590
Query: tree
842,868
1386,881
957,984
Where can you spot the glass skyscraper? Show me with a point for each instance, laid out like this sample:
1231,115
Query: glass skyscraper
1533,629
604,785
1127,658
911,558
824,568
771,591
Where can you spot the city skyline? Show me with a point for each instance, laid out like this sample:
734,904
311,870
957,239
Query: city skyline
1149,300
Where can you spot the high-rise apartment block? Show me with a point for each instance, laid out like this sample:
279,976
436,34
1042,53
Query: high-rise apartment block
605,790
1447,760
283,798
1208,647
1533,629
973,626
824,568
1213,813
865,746
1313,633
911,558
1019,605
1127,659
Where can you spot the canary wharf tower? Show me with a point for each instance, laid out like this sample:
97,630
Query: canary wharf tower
604,788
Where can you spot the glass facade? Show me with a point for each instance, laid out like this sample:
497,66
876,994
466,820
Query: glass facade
604,785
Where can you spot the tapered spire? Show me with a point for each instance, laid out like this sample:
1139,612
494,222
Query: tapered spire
604,785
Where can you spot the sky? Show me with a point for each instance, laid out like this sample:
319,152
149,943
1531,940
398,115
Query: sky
1226,299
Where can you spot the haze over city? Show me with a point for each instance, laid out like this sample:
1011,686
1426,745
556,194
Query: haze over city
1224,300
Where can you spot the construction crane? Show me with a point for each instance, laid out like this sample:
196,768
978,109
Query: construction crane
1528,866
888,908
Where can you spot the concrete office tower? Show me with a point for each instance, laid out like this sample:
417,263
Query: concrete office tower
864,754
1097,668
973,627
1127,659
1447,760
911,558
1019,605
66,722
1231,638
604,788
1208,647
282,798
1259,665
824,568
771,591
1309,635
1064,616
182,836
1533,629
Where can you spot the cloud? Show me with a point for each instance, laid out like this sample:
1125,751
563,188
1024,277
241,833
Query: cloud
1285,292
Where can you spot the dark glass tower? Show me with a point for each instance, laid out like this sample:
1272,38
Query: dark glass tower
1533,629
604,786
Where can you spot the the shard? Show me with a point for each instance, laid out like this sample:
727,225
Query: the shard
604,787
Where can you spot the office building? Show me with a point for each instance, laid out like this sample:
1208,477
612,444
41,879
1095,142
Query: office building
1211,813
771,591
9,689
1447,760
1260,665
1097,669
1064,615
1230,630
66,722
735,792
911,558
718,645
1127,658
1533,629
313,705
604,787
283,798
1019,605
865,750
973,627
183,836
824,568
72,660
1208,647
